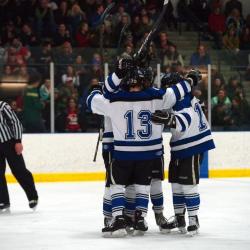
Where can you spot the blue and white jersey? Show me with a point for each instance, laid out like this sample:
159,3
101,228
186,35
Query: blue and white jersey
108,136
135,136
192,134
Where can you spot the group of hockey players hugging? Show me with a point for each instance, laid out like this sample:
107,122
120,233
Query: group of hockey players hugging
135,114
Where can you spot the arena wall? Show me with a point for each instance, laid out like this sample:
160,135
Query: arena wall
69,157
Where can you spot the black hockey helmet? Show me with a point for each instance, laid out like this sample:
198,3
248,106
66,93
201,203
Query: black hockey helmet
140,77
170,79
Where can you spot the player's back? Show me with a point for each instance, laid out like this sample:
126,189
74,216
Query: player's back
192,134
135,136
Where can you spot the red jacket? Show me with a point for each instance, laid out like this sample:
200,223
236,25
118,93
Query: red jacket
217,23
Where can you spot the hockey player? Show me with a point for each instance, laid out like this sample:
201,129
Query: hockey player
137,141
191,137
107,151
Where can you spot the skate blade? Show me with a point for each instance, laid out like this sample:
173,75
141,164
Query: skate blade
138,233
119,233
164,231
193,233
182,230
130,230
107,235
5,211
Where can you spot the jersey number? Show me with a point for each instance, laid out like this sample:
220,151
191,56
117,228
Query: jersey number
144,117
197,109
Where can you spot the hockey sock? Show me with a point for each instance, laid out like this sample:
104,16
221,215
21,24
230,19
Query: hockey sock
130,200
107,205
156,195
142,198
192,199
178,198
118,200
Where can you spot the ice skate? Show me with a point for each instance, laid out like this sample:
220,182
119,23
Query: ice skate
129,224
33,204
193,225
117,229
140,224
162,223
4,208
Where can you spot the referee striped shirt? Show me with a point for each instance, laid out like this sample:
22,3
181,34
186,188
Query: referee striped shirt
10,126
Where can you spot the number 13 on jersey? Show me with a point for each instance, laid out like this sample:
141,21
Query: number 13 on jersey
146,127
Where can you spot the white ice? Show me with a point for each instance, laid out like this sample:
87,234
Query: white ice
69,217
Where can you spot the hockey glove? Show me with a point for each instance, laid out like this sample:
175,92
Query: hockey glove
164,118
193,77
170,79
123,66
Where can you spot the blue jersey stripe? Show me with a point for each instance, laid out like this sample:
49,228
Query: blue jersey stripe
141,155
111,83
138,143
183,126
190,139
188,117
184,86
176,92
188,152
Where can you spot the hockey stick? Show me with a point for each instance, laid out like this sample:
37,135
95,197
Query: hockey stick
150,35
120,38
105,13
103,17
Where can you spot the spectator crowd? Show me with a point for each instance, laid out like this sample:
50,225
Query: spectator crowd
68,32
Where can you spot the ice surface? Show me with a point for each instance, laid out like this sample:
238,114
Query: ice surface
69,217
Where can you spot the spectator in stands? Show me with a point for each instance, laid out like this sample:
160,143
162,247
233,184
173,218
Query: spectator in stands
62,35
76,17
145,26
234,20
33,107
44,90
83,36
65,57
134,28
70,76
201,57
8,75
164,42
8,32
44,19
128,53
171,56
169,16
72,120
95,18
22,74
43,56
27,36
231,41
201,9
44,93
245,39
221,99
239,115
221,108
234,87
216,24
217,84
22,53
61,14
233,4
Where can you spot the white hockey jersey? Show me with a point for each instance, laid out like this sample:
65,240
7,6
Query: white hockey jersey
135,136
192,134
108,136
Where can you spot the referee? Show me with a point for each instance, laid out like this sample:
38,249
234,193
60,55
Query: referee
11,150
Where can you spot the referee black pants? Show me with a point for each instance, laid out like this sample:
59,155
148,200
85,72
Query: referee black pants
18,169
